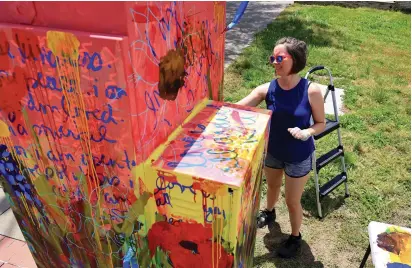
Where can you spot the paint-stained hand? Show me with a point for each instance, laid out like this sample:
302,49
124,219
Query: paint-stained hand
300,134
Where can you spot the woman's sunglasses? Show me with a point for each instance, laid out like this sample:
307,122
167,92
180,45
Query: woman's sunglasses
277,59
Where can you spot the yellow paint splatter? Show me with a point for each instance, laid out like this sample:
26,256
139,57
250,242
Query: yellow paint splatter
4,130
63,44
65,47
219,12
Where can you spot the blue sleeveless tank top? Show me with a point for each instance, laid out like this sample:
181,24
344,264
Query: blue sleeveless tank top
291,108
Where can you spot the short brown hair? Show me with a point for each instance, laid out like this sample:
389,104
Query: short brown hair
298,50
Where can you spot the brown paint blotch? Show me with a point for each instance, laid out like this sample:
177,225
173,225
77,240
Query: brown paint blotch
393,242
171,74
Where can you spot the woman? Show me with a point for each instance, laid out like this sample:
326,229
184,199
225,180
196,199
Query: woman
293,101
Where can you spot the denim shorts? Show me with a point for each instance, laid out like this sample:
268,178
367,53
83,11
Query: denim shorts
294,170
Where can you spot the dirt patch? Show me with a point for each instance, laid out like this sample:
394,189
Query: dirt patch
321,247
370,83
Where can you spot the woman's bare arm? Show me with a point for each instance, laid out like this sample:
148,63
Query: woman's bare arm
256,96
318,109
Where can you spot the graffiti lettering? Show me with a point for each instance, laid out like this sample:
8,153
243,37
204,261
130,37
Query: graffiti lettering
161,184
110,200
224,155
94,62
213,211
39,107
50,83
112,181
105,116
115,93
151,105
163,200
26,48
170,220
60,133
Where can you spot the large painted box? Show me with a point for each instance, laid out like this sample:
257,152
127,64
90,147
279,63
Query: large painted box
206,180
114,149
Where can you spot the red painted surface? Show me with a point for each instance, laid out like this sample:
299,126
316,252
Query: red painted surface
151,35
188,244
97,17
204,50
117,75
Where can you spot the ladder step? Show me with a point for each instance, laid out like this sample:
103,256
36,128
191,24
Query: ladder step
331,125
328,157
332,184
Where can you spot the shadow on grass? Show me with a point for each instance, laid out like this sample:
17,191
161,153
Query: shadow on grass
315,33
328,203
273,241
312,32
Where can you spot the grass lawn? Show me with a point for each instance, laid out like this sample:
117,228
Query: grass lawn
368,52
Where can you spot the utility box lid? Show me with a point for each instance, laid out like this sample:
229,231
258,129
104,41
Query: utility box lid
217,143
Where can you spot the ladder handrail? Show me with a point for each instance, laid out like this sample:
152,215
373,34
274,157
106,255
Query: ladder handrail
318,68
330,87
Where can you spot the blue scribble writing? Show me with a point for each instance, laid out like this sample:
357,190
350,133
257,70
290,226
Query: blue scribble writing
61,132
213,211
163,200
105,116
114,92
161,184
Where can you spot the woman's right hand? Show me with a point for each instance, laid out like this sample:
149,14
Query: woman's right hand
256,96
300,134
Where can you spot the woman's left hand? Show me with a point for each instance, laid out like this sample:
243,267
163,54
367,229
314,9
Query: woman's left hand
300,134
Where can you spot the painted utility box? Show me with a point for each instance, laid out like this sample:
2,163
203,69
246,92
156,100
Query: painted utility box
207,179
115,150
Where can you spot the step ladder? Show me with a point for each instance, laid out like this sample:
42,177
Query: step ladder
337,152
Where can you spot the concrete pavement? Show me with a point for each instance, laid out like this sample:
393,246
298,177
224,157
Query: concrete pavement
256,17
14,251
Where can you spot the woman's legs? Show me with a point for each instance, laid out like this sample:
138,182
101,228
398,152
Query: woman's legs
293,193
274,181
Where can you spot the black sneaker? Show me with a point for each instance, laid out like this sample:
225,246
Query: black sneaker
290,247
265,217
